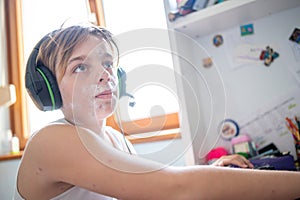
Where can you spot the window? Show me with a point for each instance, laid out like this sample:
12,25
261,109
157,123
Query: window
14,42
24,26
4,111
156,104
3,72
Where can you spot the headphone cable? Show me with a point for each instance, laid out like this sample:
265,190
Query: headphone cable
119,122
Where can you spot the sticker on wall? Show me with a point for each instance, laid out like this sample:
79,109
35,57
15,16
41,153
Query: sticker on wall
247,29
228,129
207,62
218,40
268,55
295,37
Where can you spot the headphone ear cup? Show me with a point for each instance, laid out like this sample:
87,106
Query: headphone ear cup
122,82
40,82
52,88
122,77
43,88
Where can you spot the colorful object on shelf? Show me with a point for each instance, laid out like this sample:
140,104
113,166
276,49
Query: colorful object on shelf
268,56
214,154
245,155
294,128
218,40
207,62
247,29
185,7
243,144
295,37
228,129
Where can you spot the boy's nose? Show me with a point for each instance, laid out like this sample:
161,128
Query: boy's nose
105,77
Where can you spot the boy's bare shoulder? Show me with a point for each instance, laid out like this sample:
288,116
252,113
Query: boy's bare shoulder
54,136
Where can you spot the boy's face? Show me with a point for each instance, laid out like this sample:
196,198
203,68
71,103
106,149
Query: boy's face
89,86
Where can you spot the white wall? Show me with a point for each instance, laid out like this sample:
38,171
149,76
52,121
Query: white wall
8,171
250,88
168,152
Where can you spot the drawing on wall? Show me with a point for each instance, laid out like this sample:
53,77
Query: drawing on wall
253,54
247,29
294,43
218,40
268,123
207,62
268,55
228,129
295,37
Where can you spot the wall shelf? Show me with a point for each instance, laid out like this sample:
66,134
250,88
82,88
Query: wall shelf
228,14
11,156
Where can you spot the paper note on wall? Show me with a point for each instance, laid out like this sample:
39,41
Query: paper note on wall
248,53
295,69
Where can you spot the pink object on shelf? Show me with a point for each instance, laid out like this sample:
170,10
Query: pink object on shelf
240,139
243,144
216,153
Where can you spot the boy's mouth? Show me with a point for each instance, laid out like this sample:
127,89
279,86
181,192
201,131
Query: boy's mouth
106,94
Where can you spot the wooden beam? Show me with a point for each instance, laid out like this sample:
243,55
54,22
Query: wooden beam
164,122
96,7
16,68
155,138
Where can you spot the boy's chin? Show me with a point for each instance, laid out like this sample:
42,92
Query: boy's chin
101,117
107,112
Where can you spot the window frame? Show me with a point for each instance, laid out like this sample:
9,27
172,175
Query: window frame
15,72
16,69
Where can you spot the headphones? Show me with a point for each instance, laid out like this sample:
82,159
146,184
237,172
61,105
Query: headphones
42,85
122,86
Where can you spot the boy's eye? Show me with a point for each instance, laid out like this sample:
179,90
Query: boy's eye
108,65
80,68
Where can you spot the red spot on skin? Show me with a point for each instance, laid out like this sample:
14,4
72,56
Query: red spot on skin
38,171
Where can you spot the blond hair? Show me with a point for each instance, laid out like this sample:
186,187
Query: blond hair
56,50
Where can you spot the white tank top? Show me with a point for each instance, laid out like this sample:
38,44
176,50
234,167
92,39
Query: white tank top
77,193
